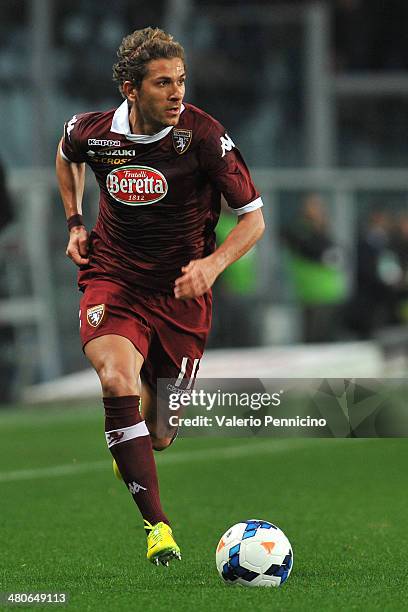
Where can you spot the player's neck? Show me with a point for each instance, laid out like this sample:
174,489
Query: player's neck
138,125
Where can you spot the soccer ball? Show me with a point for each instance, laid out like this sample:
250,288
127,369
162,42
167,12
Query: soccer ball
254,553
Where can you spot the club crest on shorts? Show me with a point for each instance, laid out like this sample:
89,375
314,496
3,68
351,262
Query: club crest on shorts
181,140
95,315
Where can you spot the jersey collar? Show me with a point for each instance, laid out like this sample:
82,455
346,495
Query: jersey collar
120,125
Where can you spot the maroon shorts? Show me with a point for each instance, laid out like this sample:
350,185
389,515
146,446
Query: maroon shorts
169,333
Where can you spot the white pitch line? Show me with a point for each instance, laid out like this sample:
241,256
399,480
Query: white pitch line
55,471
231,452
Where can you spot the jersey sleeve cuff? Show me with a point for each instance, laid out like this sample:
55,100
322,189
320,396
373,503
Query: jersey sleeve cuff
248,207
64,156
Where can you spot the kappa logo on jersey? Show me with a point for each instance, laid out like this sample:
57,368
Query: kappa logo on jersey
226,144
136,185
96,142
70,125
95,315
181,140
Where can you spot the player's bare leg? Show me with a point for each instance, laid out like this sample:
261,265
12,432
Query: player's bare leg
118,363
161,434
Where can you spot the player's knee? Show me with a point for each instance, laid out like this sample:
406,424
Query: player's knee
160,444
116,382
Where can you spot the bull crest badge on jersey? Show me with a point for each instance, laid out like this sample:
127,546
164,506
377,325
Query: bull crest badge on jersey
95,315
181,140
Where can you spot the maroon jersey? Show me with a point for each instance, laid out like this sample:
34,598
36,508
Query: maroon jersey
159,194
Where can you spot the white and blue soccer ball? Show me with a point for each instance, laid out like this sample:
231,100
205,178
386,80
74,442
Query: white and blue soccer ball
254,553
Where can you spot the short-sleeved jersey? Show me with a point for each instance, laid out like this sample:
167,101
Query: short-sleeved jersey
159,194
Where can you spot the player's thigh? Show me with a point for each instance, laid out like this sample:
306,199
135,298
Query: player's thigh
115,336
181,332
117,363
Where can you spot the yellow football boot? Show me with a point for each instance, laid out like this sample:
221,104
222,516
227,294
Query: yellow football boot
161,546
116,470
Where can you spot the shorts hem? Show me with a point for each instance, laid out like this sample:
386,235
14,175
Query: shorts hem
109,333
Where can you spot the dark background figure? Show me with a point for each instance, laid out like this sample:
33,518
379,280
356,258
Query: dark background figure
399,243
6,208
235,293
316,269
6,331
378,277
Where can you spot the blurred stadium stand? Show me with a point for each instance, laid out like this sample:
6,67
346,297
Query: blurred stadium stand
314,93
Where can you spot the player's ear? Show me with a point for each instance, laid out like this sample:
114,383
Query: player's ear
129,90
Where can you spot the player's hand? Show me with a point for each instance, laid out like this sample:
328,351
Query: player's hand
78,245
197,278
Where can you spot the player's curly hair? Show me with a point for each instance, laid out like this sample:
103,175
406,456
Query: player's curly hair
138,49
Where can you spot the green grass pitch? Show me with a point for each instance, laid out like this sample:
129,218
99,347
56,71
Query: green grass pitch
68,525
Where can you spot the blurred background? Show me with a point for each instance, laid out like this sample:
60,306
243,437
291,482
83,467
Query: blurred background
315,94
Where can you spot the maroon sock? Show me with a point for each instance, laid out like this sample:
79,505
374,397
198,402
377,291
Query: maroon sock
129,442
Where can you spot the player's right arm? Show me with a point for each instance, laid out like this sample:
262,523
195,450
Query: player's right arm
71,182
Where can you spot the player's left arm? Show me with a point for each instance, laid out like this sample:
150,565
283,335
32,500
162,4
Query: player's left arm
200,274
225,167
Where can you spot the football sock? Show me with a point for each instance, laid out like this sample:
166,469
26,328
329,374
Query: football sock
129,442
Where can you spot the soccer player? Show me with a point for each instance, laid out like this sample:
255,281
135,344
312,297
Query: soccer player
147,267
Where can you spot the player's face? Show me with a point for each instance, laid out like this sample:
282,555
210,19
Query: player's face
158,101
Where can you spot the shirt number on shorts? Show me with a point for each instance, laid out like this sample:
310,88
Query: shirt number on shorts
182,372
